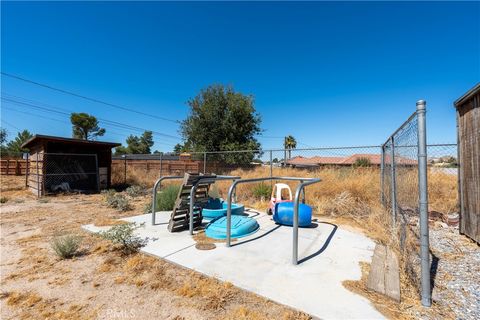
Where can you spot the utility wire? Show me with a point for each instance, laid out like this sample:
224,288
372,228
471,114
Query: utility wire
66,122
88,98
11,125
113,123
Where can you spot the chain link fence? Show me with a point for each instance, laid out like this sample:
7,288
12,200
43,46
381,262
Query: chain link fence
70,172
146,169
404,191
49,173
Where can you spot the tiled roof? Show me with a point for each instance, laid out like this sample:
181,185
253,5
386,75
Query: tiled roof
375,159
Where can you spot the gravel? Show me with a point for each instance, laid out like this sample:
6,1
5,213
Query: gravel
457,280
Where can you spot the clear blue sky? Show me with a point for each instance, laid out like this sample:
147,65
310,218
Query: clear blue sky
328,73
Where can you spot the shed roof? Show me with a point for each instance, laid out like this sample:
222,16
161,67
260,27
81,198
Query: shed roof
43,138
470,93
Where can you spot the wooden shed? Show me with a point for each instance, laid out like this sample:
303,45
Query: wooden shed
59,164
468,127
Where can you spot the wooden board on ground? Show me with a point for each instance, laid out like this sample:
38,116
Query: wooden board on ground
384,276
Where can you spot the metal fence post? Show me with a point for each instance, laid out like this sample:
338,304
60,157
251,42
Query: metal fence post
27,160
271,169
125,169
204,162
38,177
393,182
423,204
161,160
382,178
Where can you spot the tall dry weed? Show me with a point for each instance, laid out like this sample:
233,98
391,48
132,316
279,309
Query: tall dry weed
362,185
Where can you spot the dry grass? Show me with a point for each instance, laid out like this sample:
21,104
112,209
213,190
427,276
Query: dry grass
31,306
410,306
206,293
362,184
244,313
13,187
346,195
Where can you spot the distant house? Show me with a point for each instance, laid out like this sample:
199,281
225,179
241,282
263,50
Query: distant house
318,161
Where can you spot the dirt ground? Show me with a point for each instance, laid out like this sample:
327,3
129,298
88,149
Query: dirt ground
101,283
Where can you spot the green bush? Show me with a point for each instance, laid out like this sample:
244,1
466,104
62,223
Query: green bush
3,199
166,198
66,246
122,235
362,162
135,191
117,200
262,190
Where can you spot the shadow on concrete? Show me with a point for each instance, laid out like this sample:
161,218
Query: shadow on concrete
312,225
249,211
256,238
160,224
325,245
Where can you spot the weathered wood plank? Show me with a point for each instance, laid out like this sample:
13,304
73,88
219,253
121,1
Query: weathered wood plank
392,276
384,276
376,276
468,117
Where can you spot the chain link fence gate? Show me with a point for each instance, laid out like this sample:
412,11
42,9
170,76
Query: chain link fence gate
66,172
404,192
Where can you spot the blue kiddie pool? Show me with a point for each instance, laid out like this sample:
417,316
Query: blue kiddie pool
284,214
242,226
217,208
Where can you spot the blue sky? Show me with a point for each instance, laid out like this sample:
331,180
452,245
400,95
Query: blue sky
329,73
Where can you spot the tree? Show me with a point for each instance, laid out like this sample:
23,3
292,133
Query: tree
85,126
289,143
137,145
3,136
3,139
222,119
179,148
15,146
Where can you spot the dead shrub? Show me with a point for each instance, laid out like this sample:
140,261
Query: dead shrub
135,191
123,236
344,204
66,246
117,200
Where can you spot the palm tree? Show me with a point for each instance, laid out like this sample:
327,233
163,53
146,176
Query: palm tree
289,143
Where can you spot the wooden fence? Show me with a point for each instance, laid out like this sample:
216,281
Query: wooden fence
166,166
147,171
13,167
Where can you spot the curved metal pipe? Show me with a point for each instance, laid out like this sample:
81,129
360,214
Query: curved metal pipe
192,202
233,187
194,189
154,195
231,190
300,188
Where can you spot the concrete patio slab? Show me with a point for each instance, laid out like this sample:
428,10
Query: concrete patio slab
261,263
